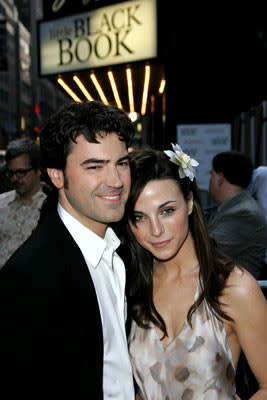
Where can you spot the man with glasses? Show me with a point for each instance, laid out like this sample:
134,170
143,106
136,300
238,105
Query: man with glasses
20,208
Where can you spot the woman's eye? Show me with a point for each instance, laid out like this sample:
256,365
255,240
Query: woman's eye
168,211
138,218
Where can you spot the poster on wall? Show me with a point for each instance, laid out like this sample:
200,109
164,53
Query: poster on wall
202,142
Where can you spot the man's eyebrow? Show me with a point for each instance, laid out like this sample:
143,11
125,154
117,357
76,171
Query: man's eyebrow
123,158
94,161
99,161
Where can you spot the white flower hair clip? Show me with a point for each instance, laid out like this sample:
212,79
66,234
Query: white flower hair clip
187,166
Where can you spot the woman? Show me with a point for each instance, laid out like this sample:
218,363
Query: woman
193,310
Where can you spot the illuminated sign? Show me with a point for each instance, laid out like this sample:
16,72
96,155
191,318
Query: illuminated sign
121,33
62,8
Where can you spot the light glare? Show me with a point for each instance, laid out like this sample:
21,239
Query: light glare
68,90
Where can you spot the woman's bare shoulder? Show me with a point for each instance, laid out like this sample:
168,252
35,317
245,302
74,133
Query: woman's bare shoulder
240,282
245,303
241,292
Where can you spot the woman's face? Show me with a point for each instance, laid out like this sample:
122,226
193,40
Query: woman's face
161,218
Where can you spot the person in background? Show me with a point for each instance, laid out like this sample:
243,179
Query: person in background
258,190
238,225
20,208
62,294
258,186
193,309
5,184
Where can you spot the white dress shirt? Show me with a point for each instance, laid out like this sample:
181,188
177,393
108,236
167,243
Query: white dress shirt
108,274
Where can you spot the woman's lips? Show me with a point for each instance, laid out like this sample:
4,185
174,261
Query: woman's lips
159,245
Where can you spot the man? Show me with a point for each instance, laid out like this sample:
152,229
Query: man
238,226
258,187
20,208
62,295
258,190
5,184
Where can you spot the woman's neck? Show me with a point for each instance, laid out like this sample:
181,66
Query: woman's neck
184,263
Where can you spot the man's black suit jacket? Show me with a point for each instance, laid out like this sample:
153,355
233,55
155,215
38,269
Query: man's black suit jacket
51,340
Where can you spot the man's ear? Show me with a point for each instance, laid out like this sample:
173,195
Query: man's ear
57,177
221,178
190,203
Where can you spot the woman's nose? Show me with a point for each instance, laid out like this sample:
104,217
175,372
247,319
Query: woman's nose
156,227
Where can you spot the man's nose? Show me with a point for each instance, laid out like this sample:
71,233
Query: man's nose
113,178
13,178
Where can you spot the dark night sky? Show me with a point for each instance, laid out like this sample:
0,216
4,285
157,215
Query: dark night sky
224,71
217,62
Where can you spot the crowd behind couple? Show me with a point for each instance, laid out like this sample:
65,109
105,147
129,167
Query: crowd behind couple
192,309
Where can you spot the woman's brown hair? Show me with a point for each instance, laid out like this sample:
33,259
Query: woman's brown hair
147,165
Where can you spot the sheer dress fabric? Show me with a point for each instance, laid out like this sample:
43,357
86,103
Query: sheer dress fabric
196,365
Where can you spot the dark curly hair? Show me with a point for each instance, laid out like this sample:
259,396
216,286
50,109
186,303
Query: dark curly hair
147,165
88,119
62,128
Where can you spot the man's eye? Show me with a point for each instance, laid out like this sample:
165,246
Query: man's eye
124,163
94,167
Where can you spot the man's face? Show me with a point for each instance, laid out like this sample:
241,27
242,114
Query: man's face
213,186
25,183
98,182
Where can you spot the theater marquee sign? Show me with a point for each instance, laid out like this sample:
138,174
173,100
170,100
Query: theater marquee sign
117,34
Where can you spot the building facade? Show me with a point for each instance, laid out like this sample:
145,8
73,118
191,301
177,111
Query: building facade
25,100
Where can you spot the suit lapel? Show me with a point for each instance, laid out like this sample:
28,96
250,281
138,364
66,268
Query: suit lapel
82,305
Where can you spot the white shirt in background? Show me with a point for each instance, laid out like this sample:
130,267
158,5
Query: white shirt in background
18,219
